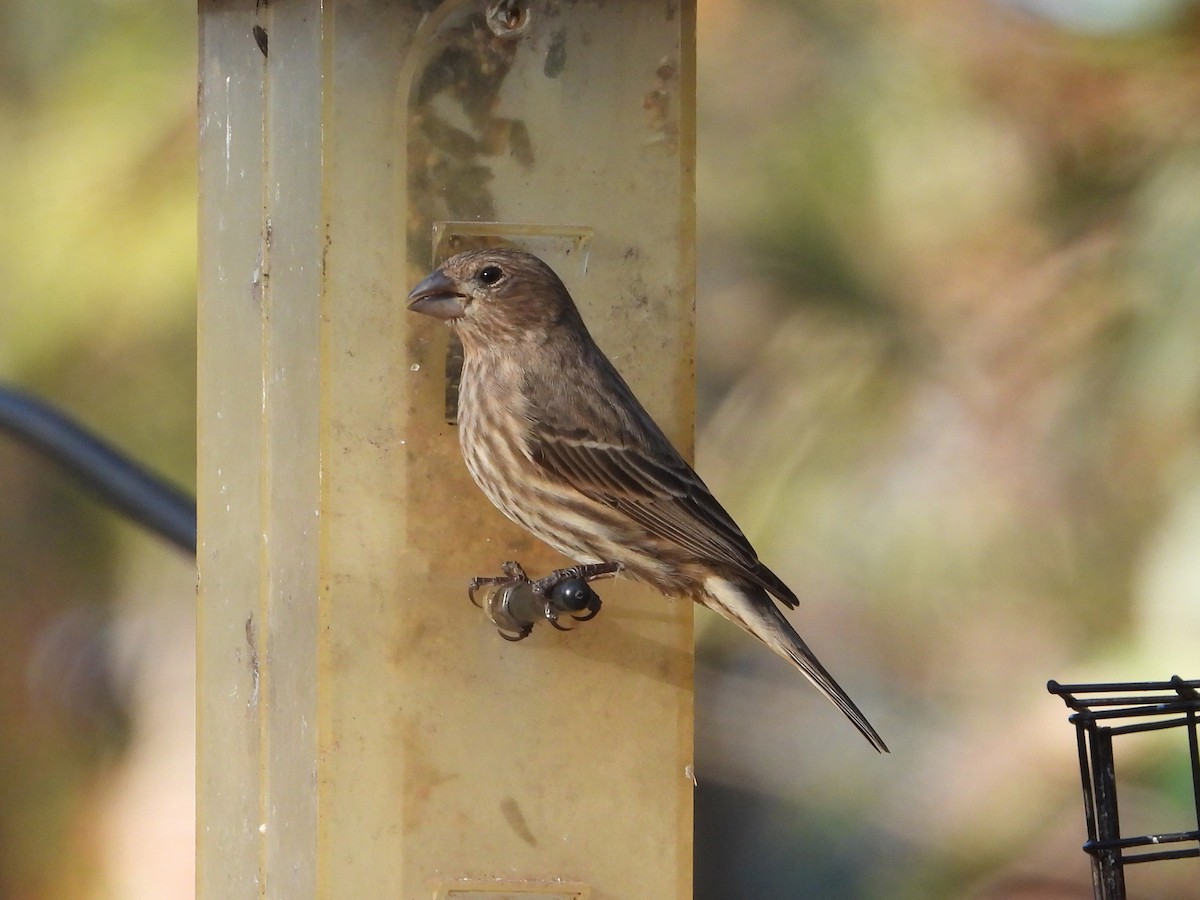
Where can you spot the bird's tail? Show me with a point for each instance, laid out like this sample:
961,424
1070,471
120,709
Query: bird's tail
753,609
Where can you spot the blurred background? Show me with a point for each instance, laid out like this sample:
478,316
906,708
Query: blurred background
949,378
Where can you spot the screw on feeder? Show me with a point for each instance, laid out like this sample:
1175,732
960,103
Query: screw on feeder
507,19
575,595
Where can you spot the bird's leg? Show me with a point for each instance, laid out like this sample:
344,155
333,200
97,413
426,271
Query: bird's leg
517,603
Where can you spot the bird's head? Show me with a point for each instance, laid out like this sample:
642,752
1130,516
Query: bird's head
494,295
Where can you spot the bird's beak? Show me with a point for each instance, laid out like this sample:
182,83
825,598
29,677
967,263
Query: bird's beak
437,296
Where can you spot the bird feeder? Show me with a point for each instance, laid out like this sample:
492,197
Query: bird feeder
363,730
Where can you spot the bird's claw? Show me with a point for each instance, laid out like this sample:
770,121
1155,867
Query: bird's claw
552,616
516,603
515,636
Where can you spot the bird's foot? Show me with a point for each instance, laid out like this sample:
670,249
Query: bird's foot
516,603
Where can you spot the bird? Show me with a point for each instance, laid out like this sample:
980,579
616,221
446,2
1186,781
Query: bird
557,441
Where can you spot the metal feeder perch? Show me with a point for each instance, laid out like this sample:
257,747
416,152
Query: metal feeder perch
1100,713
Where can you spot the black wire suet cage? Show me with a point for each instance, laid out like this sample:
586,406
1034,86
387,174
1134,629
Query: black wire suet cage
1100,713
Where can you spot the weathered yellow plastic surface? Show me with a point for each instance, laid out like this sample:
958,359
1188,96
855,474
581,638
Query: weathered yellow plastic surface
364,732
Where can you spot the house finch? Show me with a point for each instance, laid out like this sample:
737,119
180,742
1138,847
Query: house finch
557,441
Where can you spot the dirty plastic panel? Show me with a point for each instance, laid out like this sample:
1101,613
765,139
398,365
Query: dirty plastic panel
364,732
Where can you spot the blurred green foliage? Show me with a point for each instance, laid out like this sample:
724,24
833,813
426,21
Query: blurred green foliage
952,296
97,268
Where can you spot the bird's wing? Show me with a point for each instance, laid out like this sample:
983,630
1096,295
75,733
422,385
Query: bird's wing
625,462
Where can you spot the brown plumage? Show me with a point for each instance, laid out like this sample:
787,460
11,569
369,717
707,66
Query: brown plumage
558,442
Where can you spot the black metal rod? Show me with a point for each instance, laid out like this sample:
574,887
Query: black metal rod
1194,752
1108,817
1146,840
1089,808
1130,859
1176,685
1142,727
110,474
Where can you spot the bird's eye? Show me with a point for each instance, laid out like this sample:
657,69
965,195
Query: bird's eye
489,275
